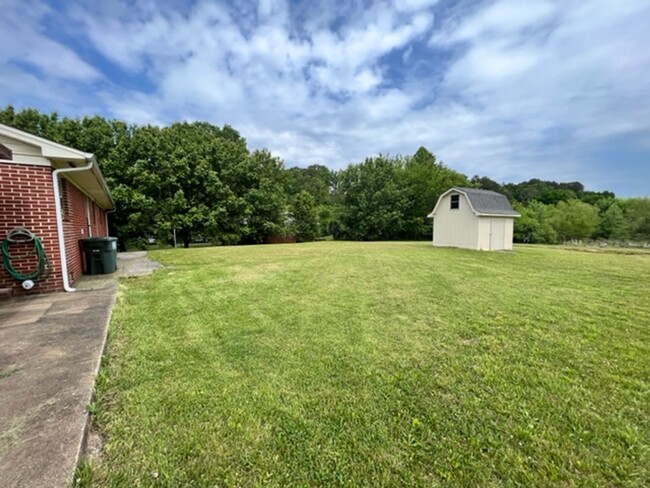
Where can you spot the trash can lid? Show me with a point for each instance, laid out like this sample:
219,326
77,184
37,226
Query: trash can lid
99,239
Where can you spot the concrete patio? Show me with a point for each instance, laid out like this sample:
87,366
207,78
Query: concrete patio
50,352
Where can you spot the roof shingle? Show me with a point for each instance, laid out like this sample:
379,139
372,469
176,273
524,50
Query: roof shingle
487,201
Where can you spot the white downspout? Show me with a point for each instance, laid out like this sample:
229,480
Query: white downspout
59,219
89,226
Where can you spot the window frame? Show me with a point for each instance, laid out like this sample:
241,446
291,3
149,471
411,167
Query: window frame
454,202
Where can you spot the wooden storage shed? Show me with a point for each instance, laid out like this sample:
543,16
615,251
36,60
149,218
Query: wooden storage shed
473,219
58,194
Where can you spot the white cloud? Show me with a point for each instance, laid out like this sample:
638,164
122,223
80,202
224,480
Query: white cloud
505,88
413,5
22,40
269,75
499,18
553,77
525,74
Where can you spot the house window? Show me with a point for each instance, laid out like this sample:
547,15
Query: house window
455,201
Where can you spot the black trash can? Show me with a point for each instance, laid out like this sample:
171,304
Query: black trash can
100,255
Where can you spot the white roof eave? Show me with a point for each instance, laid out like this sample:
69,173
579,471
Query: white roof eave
53,150
49,149
478,214
433,212
498,215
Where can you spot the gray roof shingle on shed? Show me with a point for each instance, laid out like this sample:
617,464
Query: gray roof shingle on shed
488,202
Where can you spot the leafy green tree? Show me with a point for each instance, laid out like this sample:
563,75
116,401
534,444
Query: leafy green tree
485,183
136,184
533,226
550,196
202,181
318,181
599,199
612,224
262,187
424,180
326,215
637,217
304,216
372,201
202,187
8,116
574,219
315,179
551,192
524,226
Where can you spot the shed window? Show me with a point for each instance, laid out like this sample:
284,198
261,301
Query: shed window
455,201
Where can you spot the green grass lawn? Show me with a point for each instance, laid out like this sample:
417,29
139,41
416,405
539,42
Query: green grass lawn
378,364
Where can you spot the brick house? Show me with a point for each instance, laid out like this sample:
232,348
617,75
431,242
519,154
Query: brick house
59,194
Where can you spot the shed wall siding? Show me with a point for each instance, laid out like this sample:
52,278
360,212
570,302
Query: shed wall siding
455,228
27,200
484,234
509,234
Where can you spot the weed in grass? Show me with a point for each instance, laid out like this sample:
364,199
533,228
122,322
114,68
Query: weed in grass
83,475
8,373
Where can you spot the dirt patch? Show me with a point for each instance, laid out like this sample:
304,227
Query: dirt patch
94,445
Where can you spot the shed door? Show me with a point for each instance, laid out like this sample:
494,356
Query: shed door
497,233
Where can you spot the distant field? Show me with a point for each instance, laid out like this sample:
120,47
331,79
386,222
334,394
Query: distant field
378,364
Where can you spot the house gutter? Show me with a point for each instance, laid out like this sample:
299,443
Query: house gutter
515,215
59,218
102,181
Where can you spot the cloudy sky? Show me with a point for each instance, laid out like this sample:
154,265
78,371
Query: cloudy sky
509,89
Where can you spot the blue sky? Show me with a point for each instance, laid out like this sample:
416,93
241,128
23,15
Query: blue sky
508,89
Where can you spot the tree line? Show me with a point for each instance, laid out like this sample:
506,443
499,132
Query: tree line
554,212
203,182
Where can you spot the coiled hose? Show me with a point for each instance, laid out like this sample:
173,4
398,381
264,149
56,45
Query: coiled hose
21,234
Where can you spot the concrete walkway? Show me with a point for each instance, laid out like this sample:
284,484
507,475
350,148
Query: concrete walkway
50,352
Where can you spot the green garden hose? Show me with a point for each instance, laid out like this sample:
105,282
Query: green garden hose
43,267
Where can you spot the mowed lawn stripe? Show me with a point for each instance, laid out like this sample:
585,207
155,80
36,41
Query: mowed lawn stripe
378,364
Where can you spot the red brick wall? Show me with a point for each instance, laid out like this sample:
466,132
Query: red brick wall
76,226
27,200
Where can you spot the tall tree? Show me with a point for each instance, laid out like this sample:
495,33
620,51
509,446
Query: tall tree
315,179
424,180
637,217
372,200
304,217
612,224
534,225
264,196
485,183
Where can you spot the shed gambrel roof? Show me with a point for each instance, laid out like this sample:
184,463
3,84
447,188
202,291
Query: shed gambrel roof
482,202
